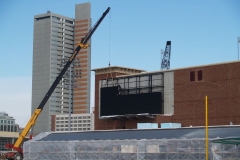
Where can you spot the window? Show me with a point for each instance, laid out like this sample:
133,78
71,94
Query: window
192,76
56,18
200,77
67,21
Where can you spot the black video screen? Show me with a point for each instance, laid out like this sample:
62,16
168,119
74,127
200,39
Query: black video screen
113,103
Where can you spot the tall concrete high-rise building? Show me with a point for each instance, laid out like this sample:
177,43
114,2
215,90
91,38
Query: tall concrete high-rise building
55,38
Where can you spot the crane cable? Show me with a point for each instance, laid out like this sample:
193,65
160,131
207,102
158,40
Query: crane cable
109,51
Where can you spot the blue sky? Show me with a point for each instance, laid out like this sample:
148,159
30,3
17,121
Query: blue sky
131,35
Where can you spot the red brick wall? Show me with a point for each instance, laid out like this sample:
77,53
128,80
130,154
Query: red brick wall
82,81
53,122
221,83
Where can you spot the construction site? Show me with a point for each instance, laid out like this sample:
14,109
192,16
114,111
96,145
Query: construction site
187,113
181,143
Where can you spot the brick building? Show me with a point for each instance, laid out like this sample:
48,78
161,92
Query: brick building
186,103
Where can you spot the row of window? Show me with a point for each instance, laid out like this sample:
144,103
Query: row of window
74,125
83,117
7,122
60,19
61,27
4,141
61,45
79,121
58,33
8,128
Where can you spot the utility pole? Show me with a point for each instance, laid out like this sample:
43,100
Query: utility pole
70,98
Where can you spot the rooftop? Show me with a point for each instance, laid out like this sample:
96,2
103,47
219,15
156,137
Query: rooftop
173,133
118,69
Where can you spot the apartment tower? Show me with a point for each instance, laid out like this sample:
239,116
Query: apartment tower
55,38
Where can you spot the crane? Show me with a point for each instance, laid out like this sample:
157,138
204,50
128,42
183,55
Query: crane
166,56
18,154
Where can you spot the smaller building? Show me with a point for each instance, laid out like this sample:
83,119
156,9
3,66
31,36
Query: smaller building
79,122
7,123
9,131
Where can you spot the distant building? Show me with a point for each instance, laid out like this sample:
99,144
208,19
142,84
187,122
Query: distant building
55,38
7,123
79,122
9,131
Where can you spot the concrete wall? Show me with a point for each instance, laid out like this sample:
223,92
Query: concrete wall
41,69
168,95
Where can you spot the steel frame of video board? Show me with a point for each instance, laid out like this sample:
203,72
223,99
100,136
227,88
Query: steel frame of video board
136,84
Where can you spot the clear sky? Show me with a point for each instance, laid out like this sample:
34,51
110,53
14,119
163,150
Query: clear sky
131,35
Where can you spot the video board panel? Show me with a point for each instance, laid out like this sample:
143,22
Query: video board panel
112,102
